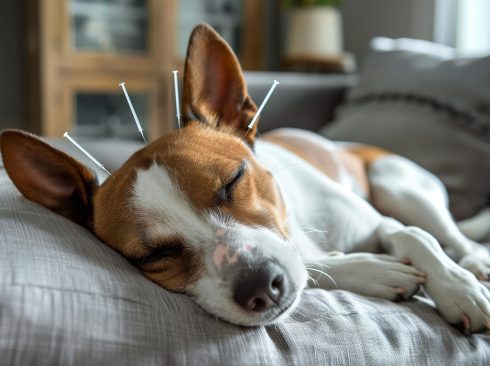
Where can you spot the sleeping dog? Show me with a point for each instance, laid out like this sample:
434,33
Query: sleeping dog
242,224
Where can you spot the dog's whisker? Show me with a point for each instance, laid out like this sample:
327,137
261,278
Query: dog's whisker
323,265
315,232
314,280
327,275
310,278
275,170
312,229
314,265
308,231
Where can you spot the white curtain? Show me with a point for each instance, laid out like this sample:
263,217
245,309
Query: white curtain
463,24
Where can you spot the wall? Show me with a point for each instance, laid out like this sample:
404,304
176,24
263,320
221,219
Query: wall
365,19
11,65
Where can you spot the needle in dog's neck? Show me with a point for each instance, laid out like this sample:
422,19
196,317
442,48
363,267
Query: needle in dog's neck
177,103
264,102
140,129
86,153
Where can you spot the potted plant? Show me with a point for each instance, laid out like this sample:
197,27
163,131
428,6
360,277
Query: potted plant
314,29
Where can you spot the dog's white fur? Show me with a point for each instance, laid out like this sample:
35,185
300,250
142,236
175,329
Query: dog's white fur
160,201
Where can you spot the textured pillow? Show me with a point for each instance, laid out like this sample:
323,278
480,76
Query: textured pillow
430,107
68,299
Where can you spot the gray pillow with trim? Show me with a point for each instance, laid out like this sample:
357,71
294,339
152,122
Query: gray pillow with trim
68,299
430,107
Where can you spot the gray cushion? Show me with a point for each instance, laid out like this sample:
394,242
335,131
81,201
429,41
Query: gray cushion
300,100
431,108
66,298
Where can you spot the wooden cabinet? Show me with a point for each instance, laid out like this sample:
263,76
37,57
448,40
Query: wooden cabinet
78,51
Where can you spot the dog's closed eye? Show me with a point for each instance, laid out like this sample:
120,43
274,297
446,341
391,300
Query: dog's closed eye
225,194
165,251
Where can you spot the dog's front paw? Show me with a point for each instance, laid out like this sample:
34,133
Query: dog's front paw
460,298
376,275
478,264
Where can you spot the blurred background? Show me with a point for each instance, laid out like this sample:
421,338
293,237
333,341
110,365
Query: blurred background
61,60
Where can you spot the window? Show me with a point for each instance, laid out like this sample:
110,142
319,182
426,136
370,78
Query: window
464,25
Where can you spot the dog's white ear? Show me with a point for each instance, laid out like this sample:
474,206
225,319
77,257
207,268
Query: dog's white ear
48,176
214,87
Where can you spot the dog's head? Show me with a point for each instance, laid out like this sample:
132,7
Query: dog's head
194,210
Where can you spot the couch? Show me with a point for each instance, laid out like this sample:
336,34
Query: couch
66,298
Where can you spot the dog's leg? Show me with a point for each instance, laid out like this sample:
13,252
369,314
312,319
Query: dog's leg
368,274
405,191
459,296
357,226
351,229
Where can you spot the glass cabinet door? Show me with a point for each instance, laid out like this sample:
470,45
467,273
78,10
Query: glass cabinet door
109,26
102,115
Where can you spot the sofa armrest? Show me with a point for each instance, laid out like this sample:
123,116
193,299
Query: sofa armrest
301,100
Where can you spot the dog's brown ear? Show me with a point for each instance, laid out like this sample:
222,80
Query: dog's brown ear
48,176
214,88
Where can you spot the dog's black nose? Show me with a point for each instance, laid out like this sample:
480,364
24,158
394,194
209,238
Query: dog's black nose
261,288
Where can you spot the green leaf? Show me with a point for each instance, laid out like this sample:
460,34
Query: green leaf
298,3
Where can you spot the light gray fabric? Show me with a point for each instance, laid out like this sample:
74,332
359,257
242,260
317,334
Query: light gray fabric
431,108
68,299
